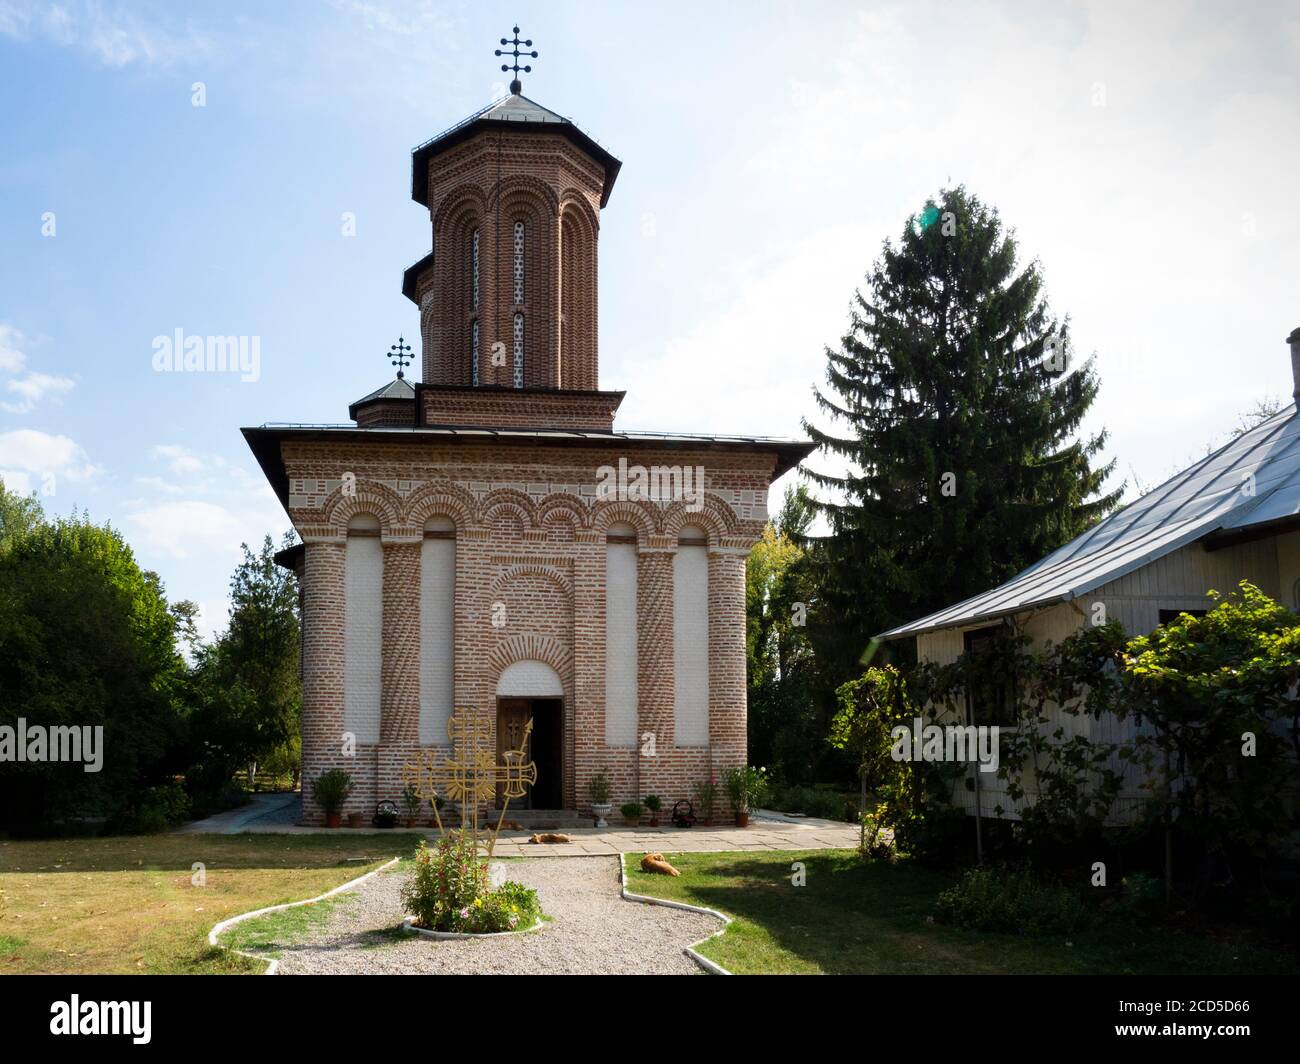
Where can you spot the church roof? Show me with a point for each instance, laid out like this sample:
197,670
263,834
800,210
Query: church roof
399,388
514,110
265,441
1207,502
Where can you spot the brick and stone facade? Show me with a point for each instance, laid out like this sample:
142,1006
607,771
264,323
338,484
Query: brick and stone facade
459,538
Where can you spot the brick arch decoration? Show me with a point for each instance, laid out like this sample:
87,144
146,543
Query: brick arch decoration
639,514
370,497
564,502
548,572
526,647
442,498
512,499
460,212
579,226
716,518
522,197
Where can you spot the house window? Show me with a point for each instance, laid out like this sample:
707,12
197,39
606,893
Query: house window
519,350
519,263
990,696
1169,616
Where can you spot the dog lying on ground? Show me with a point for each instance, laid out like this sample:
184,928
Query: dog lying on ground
654,862
550,837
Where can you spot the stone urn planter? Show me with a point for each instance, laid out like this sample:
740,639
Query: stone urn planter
600,810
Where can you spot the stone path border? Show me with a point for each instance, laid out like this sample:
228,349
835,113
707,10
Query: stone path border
712,967
273,965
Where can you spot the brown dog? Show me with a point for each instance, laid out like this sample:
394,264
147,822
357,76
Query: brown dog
549,837
654,862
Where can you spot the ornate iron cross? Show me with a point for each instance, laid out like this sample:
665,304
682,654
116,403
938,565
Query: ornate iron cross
516,86
471,772
400,349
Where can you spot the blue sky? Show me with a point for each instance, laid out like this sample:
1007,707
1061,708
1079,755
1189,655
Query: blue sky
1146,156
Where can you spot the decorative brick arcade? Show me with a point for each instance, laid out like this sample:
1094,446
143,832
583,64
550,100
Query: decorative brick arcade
461,546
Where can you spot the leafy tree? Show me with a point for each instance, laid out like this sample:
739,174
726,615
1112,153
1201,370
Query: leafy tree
784,728
18,513
958,405
247,687
86,641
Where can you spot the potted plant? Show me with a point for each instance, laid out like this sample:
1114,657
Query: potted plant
411,803
330,790
598,790
705,795
436,803
356,820
653,803
747,788
632,813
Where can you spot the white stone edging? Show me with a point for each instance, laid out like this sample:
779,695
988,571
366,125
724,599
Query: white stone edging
273,965
712,967
408,925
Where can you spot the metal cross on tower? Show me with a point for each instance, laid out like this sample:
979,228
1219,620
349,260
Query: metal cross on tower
398,353
471,773
517,86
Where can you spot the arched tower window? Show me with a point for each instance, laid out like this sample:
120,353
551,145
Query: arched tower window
519,350
519,262
473,356
473,268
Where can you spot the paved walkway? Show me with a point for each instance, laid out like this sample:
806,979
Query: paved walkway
592,931
276,813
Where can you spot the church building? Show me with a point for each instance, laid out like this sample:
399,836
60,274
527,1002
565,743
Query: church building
486,541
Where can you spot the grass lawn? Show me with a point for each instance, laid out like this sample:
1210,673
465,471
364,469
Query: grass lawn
128,904
860,918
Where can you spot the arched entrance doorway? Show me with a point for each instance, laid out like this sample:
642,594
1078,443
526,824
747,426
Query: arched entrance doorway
533,689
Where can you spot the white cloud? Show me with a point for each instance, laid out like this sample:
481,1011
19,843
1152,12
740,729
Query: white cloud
11,354
188,529
34,387
113,36
29,458
179,459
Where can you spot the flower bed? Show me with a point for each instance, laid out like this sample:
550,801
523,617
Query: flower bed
448,894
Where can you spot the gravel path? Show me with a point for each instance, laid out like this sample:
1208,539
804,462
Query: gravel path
593,931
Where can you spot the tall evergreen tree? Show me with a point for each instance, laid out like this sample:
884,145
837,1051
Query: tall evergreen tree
960,407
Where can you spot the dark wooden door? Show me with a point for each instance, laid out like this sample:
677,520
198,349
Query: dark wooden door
512,716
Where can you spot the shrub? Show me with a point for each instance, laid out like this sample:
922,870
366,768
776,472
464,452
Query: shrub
448,890
158,809
331,790
746,786
653,802
1009,900
705,794
632,810
598,788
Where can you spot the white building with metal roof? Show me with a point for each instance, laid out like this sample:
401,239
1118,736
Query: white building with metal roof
1232,516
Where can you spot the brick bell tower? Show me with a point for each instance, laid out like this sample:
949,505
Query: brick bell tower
507,296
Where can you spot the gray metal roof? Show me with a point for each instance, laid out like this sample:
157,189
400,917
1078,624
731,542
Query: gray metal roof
397,388
1213,495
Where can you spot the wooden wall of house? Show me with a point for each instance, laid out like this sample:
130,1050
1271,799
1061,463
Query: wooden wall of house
1178,581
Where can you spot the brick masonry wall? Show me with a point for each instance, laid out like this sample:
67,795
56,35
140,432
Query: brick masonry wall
507,408
530,534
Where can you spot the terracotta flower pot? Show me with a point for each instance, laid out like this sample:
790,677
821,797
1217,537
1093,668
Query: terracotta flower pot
654,821
742,819
356,820
333,820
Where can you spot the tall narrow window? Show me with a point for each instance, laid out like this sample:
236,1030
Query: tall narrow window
519,350
473,269
519,263
437,628
473,361
363,614
620,636
691,640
